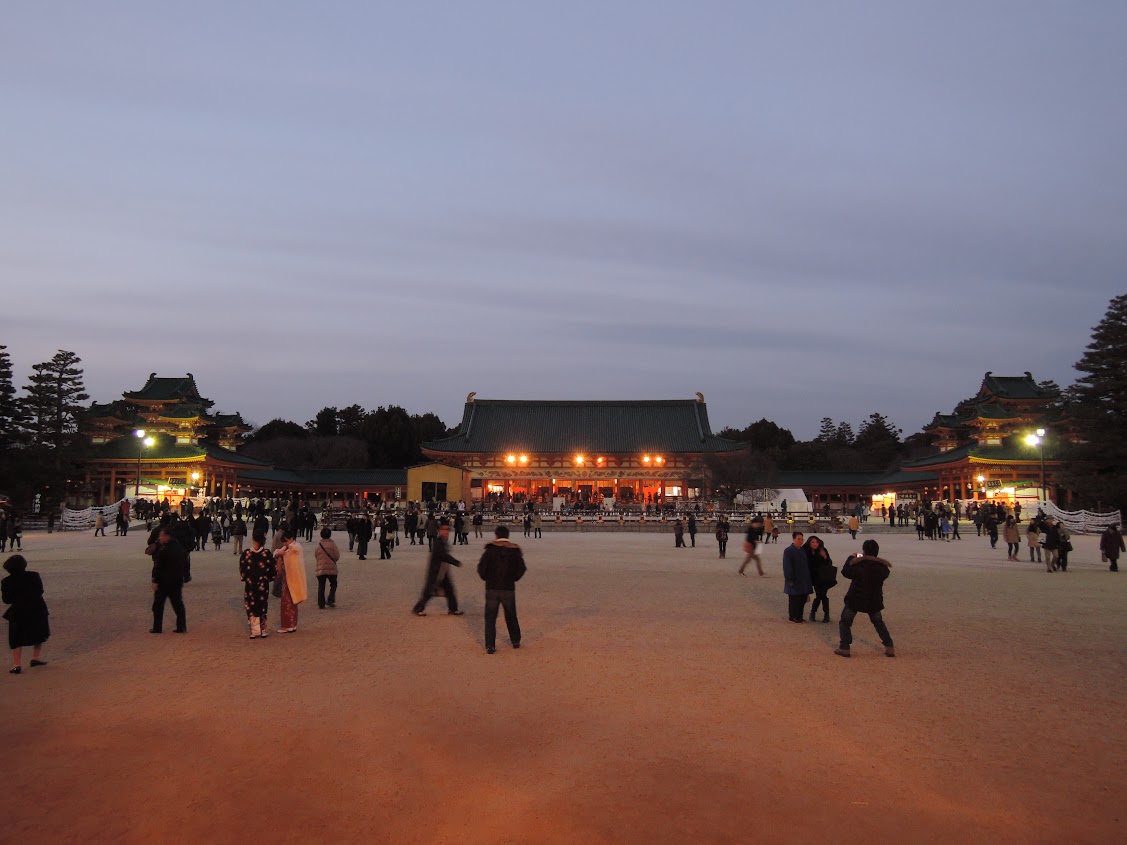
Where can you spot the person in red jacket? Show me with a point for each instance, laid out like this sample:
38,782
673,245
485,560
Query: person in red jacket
500,568
866,595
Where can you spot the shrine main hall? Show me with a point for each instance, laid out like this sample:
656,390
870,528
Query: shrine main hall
584,451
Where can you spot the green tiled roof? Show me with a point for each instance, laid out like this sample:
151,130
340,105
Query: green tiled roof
495,425
168,389
164,448
1015,387
946,421
228,421
992,411
182,411
231,457
344,478
803,479
1010,452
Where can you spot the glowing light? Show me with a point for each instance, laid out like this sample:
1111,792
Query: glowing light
149,441
1040,432
512,459
579,460
139,433
659,459
1033,439
646,459
524,459
981,478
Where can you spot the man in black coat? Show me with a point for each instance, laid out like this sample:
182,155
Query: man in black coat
363,536
866,595
500,568
438,574
169,562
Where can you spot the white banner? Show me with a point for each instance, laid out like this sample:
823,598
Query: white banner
1082,522
82,519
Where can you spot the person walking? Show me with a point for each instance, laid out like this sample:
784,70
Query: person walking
823,575
325,557
537,526
1012,535
854,526
867,575
692,527
363,536
796,578
438,579
170,561
1033,540
431,530
1065,538
257,568
27,613
752,543
1050,542
238,534
678,534
290,560
1111,544
722,527
500,567
477,520
99,525
386,538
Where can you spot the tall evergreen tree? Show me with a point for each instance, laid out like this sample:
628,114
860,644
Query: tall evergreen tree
1097,468
54,399
827,432
11,412
843,435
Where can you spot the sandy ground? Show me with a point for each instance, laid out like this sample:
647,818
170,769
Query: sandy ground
658,697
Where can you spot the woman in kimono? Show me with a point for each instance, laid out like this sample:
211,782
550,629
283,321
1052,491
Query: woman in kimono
27,616
290,560
257,568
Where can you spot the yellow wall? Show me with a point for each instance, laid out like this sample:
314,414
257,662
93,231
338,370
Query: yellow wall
457,482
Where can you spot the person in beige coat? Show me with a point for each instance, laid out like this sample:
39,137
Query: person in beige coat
1012,535
326,556
291,572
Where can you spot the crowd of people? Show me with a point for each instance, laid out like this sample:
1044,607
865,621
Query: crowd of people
276,567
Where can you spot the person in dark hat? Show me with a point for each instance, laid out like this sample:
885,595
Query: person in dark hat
866,595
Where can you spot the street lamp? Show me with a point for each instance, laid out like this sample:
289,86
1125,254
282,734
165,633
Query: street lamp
1038,440
142,442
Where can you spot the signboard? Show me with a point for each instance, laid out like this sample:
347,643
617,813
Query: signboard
910,496
177,482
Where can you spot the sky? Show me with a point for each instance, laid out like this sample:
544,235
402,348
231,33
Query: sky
799,209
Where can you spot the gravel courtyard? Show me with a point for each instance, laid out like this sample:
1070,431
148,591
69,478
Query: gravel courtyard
658,697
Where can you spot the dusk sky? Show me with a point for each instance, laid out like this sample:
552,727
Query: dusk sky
799,209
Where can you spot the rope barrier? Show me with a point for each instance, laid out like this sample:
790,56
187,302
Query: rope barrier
1082,522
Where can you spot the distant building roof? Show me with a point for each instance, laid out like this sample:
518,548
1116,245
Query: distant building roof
164,448
344,478
501,425
175,389
1014,387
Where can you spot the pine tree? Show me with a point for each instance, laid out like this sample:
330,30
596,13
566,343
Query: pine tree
11,412
1096,470
843,436
53,399
877,431
827,432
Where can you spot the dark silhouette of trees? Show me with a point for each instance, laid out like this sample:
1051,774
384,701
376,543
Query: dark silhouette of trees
1096,468
53,401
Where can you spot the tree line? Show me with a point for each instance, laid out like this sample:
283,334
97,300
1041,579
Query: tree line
40,448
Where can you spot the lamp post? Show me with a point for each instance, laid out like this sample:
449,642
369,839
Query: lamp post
1038,440
142,442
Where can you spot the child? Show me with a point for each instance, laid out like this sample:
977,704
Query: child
945,528
216,534
775,534
866,595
